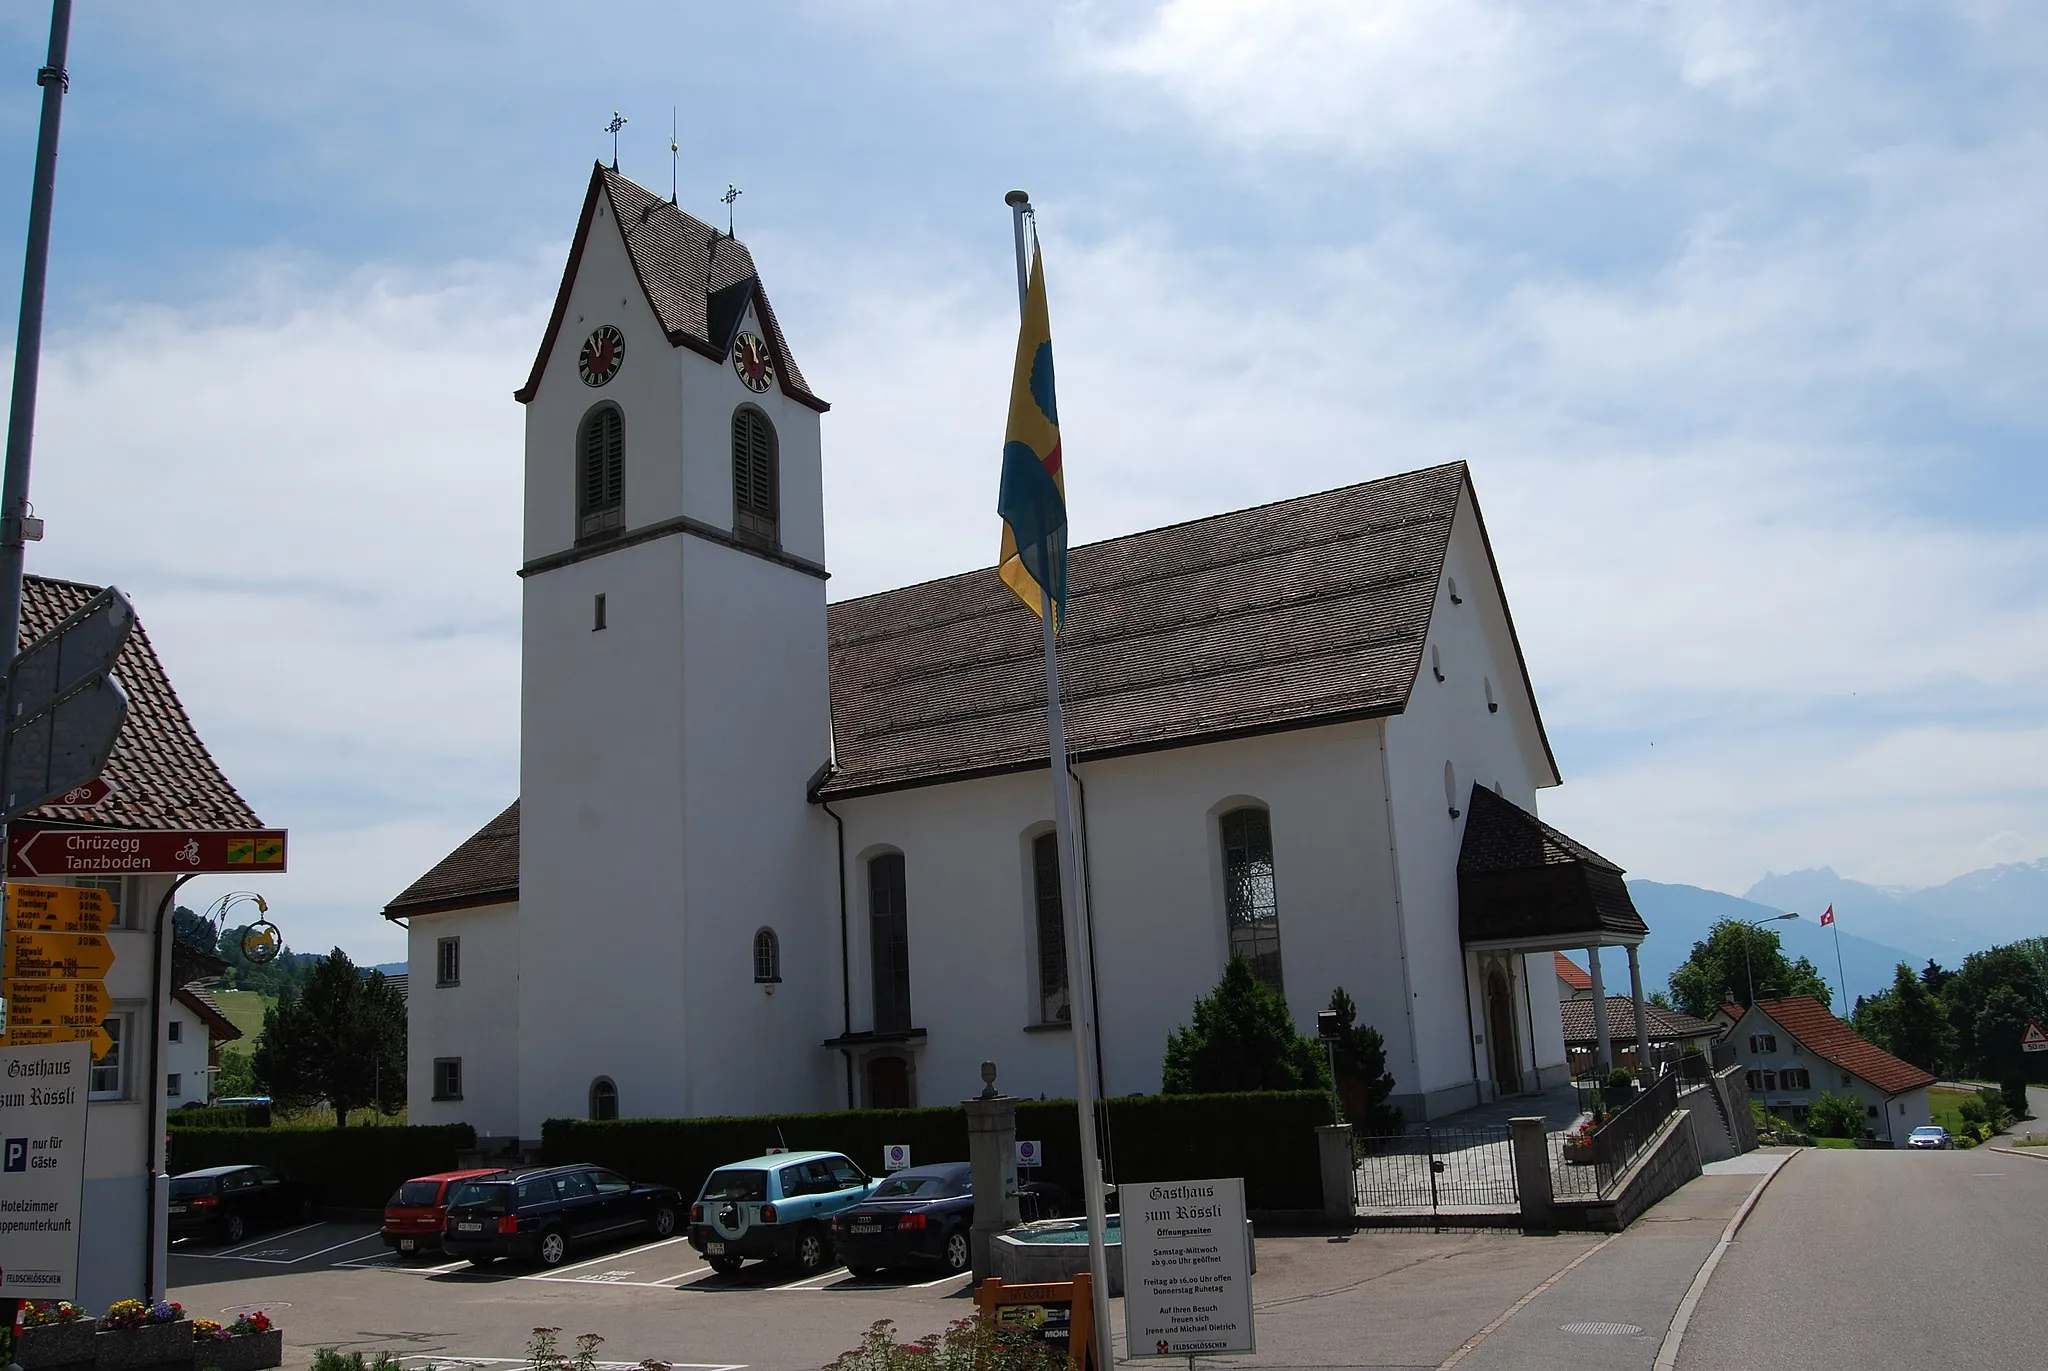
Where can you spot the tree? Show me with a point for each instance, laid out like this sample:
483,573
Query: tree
1716,968
339,1039
1934,976
1907,1022
1987,1042
189,930
1363,1081
1242,1038
1835,1116
237,1075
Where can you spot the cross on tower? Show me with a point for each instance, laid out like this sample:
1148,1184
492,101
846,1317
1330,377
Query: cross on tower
732,193
618,122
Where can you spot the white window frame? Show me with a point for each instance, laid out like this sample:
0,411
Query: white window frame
174,1084
447,959
122,1026
438,1092
174,1031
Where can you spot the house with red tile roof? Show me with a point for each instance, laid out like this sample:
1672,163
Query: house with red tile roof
1796,1051
1572,981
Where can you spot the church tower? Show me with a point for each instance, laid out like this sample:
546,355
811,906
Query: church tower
677,944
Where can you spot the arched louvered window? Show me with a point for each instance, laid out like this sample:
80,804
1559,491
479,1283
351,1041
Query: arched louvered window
767,957
604,1099
1252,906
755,480
601,473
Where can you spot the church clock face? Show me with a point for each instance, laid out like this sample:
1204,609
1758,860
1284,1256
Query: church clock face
603,352
750,362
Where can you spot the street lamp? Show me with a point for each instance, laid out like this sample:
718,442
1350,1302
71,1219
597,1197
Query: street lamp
1749,970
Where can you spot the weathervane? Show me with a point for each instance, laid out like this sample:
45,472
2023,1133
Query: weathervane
674,151
732,193
618,122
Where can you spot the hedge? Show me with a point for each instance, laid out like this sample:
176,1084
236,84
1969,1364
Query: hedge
1267,1138
216,1116
348,1168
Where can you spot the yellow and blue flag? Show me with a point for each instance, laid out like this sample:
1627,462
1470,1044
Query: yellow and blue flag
1033,500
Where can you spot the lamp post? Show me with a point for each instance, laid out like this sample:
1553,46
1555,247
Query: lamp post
1748,967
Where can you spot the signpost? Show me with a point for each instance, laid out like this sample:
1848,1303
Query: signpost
896,1156
46,850
42,1169
1029,1154
1059,1313
54,961
2034,1040
58,908
63,706
1187,1269
87,795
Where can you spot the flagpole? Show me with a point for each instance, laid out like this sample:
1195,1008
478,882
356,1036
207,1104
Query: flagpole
1841,977
1073,905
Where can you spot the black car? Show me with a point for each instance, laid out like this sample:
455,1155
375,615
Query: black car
916,1217
540,1215
230,1202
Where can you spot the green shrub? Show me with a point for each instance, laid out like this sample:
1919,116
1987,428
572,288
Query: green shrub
348,1168
2015,1094
333,1359
1835,1116
1242,1038
1620,1079
237,1116
1268,1139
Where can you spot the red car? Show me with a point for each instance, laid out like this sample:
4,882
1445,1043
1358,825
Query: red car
414,1214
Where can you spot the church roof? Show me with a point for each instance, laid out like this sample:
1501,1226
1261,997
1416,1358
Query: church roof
1310,611
484,870
161,773
1522,881
697,281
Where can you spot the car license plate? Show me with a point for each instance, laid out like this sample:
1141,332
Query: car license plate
867,1227
714,1249
408,1244
177,1209
469,1228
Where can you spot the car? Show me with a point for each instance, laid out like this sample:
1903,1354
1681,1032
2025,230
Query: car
540,1214
916,1217
775,1208
418,1209
228,1203
1929,1135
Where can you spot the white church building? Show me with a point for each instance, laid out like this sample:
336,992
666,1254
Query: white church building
774,854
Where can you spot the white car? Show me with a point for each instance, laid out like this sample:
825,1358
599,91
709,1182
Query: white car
1929,1135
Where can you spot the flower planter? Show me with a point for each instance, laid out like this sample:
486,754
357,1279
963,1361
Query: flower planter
249,1352
56,1345
153,1345
1578,1154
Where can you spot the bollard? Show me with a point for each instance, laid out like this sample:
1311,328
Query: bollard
1333,1148
1532,1174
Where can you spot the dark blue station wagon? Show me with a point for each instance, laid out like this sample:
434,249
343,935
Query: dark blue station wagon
540,1215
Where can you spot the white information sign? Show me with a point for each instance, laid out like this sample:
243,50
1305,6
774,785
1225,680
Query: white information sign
42,1168
896,1156
1030,1153
1187,1268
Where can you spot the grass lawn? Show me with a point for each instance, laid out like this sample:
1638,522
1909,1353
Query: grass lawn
244,1009
1835,1142
1945,1106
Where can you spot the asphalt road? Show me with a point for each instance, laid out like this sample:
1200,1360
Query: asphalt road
1883,1259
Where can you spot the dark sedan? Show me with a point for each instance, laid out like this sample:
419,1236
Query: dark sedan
230,1202
539,1215
917,1217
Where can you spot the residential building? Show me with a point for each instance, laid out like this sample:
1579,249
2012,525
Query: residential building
194,1029
1796,1051
1572,981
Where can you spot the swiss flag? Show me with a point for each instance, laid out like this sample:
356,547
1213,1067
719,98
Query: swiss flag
1828,917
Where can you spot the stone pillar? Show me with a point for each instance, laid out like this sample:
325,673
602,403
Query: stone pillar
1532,1174
1333,1148
1635,992
992,1151
1603,1045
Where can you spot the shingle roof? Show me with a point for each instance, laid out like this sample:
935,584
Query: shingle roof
484,870
1308,611
1666,1025
162,774
697,281
1521,879
1571,973
1828,1038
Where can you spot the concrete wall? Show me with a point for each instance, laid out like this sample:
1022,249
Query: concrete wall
476,1019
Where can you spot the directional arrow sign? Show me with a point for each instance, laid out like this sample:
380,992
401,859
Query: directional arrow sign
58,908
72,1004
35,1035
63,708
57,956
87,795
39,850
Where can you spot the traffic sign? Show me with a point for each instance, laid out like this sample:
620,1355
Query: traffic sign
36,1035
35,956
2034,1040
87,795
58,908
62,705
896,1156
48,850
70,1004
1030,1153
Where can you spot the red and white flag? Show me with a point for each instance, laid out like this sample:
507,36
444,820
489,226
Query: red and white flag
1828,917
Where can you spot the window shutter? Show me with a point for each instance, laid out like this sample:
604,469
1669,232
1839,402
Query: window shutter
753,475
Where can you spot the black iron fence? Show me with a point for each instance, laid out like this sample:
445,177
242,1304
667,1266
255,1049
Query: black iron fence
1436,1170
1625,1133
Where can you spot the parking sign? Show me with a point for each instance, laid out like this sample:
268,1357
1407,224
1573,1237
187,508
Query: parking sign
1029,1154
896,1156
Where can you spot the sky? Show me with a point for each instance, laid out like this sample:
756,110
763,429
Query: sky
1736,311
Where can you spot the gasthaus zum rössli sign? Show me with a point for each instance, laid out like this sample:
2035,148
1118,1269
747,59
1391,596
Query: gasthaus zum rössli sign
1187,1268
42,1168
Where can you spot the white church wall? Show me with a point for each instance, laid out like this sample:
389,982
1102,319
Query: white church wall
1447,722
1551,1061
1156,884
475,1020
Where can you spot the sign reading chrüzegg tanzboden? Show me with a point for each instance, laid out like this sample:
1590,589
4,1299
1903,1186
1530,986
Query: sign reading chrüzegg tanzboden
42,1169
43,850
1187,1268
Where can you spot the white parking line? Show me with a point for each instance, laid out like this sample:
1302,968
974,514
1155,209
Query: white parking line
693,1271
287,1261
956,1276
805,1282
273,1237
619,1255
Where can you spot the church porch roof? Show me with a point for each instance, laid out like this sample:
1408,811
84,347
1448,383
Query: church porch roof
1524,884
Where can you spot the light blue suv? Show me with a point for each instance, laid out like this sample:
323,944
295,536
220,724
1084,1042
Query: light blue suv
775,1208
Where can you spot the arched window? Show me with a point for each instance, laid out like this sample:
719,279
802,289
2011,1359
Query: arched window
601,473
604,1099
889,942
1249,899
1050,921
755,494
767,957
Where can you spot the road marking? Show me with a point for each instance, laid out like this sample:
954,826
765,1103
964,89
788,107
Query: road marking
432,1360
1471,1344
1674,1336
633,1251
302,1228
695,1270
338,1246
805,1282
1980,1175
956,1276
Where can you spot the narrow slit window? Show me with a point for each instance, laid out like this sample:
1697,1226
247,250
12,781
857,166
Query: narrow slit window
1050,915
597,614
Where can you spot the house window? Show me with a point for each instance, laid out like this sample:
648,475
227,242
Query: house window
1795,1078
448,962
1050,918
601,473
889,942
754,477
597,614
1248,892
174,1031
117,892
604,1099
767,958
447,1078
1869,1111
174,1083
1763,1042
105,1080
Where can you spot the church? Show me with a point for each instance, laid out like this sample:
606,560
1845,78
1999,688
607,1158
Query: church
776,854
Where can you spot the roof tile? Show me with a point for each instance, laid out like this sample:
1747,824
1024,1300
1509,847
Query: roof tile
1828,1038
484,870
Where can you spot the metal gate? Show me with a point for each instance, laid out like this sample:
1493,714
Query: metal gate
1435,1177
